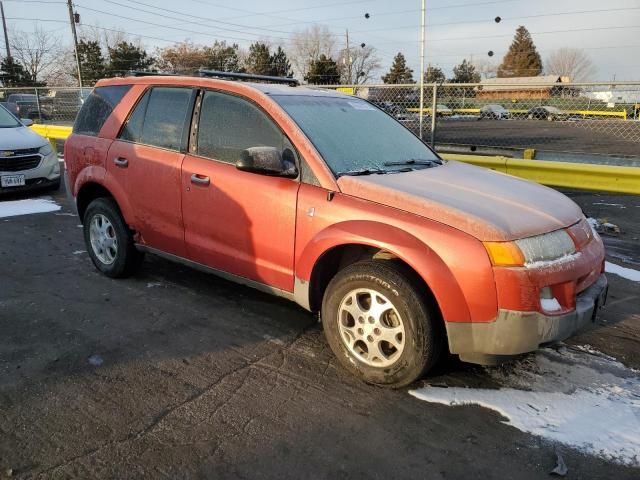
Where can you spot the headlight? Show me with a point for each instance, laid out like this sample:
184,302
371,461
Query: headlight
46,150
527,251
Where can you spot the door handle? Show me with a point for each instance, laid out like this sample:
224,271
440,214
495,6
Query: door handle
200,179
121,162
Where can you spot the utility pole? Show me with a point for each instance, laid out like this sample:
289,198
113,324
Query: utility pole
349,58
422,28
75,40
6,36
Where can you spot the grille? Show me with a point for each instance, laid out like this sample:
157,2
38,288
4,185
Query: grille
19,163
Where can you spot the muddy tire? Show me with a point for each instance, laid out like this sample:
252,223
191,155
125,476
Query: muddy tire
108,239
380,324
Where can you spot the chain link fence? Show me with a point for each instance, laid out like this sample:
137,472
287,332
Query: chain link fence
513,119
516,119
56,105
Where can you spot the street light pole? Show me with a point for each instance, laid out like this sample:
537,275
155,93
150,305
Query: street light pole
72,20
6,36
422,28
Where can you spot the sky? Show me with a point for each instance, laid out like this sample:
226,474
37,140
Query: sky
609,32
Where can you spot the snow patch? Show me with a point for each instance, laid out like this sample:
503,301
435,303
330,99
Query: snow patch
573,395
558,261
14,208
624,272
550,304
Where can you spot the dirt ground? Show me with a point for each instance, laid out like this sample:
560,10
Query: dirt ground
178,374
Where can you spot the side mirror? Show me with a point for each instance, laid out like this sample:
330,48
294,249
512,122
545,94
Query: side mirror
268,161
27,122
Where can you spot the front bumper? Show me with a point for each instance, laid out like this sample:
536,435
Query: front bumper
46,174
514,332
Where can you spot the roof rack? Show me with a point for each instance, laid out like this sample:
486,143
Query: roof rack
247,77
148,73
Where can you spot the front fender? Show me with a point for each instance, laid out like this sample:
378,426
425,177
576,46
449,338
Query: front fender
400,243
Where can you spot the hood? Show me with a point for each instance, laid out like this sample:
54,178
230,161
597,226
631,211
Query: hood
19,138
489,205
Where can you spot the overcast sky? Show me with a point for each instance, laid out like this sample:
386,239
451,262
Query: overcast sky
609,32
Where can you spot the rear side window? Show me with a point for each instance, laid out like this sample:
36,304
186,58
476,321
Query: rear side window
159,118
229,124
97,108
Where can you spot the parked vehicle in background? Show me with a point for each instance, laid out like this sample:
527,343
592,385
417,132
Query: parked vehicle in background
546,113
324,199
67,103
27,160
494,111
399,113
28,105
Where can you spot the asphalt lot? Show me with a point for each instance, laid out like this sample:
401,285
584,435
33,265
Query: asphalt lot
178,374
608,137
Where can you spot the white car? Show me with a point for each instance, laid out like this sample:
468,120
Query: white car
27,159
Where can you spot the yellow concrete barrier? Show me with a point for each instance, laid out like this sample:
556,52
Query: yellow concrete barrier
606,178
582,176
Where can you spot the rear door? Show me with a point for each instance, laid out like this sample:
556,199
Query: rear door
146,160
238,222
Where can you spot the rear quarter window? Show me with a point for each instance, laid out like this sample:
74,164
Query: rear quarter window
97,108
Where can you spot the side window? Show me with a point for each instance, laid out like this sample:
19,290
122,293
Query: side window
229,124
97,108
159,118
132,130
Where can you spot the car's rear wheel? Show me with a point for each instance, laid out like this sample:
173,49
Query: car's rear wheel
109,240
379,323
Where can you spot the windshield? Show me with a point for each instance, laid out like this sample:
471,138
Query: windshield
7,120
552,109
354,136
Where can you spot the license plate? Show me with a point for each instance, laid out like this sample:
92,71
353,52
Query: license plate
12,181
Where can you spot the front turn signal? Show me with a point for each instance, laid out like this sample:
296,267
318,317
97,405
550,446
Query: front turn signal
504,254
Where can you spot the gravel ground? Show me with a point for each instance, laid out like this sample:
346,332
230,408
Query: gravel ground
174,373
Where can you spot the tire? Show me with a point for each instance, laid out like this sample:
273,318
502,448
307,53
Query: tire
110,245
550,118
530,116
411,320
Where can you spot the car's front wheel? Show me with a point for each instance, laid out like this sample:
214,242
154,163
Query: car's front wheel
109,240
379,323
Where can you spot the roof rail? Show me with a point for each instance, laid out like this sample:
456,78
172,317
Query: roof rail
148,73
248,77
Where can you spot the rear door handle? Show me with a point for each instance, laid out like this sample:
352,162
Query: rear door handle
200,179
121,162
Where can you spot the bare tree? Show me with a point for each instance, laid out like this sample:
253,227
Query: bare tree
38,51
307,45
364,64
486,68
570,62
184,57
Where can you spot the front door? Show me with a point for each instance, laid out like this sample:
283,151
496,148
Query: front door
238,222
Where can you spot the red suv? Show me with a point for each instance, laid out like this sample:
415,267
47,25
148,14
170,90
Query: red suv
325,199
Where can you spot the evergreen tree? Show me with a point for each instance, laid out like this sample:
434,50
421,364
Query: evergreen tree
126,56
14,75
223,57
522,59
259,60
399,72
323,71
434,75
280,65
92,64
465,73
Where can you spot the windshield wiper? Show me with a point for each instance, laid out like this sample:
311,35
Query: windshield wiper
363,171
413,161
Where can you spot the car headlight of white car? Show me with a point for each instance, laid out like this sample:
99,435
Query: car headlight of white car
547,247
48,153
